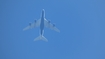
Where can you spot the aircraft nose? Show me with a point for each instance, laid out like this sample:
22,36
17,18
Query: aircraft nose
42,9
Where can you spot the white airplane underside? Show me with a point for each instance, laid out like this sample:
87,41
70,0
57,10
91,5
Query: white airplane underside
42,22
46,24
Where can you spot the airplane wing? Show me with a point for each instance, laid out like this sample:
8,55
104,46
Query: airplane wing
33,25
49,25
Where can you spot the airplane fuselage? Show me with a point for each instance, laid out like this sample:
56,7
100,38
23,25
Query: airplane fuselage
42,22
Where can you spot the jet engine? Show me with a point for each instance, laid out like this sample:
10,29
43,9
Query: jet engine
53,25
49,21
35,21
30,24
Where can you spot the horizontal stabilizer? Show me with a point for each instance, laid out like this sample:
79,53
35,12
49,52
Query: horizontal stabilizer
41,38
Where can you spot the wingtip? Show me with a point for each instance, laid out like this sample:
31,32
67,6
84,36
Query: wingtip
24,29
58,31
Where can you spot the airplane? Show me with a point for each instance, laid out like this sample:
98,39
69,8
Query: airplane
42,22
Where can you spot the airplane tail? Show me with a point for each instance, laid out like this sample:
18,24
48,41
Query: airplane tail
41,38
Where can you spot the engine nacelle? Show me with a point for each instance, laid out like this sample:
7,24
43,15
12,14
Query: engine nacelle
48,21
35,21
53,25
30,24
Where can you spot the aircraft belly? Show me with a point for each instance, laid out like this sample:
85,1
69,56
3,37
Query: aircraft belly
42,26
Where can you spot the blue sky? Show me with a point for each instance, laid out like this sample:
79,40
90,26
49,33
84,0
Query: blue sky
81,22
